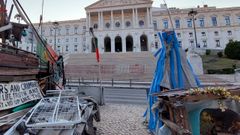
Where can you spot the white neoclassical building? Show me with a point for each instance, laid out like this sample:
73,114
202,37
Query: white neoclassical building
132,26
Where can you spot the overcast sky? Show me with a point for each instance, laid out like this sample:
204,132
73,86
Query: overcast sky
57,10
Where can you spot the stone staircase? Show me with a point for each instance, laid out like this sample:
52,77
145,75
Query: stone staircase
138,67
117,66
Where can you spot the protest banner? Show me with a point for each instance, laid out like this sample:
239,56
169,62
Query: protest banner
18,93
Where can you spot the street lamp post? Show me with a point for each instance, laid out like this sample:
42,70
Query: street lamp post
55,27
192,13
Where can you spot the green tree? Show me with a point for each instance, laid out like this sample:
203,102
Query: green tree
232,50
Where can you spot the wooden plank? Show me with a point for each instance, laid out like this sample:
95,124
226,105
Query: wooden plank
17,78
17,72
175,127
8,60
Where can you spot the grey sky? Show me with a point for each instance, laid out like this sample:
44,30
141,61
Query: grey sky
57,10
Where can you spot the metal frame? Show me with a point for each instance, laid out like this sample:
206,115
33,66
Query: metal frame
42,111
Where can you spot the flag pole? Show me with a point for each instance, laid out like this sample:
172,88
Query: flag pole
99,63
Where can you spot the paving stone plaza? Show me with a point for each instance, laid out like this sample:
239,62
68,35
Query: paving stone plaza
121,119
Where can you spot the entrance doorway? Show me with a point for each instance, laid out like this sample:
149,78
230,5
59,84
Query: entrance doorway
144,43
129,43
107,44
118,44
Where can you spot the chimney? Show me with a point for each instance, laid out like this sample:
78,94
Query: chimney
205,6
198,6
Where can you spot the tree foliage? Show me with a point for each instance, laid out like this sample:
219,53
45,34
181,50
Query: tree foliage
232,50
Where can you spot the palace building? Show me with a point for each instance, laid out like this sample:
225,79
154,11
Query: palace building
132,25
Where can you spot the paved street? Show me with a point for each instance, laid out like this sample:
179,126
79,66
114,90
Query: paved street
125,96
121,119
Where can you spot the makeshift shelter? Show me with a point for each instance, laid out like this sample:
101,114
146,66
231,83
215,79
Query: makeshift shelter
173,71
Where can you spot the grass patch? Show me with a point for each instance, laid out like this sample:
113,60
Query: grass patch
214,62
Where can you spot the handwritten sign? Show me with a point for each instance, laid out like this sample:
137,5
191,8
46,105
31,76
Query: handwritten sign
18,93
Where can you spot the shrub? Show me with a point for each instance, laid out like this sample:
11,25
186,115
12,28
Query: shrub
208,52
221,71
232,50
220,54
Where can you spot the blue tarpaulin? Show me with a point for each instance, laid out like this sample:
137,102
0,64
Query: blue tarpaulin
173,71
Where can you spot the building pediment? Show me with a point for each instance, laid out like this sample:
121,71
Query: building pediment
113,3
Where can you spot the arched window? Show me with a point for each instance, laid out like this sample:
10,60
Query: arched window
118,44
129,43
107,44
144,43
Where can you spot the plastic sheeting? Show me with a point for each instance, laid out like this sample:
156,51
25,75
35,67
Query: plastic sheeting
173,71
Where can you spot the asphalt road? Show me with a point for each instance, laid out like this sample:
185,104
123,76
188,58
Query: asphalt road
125,96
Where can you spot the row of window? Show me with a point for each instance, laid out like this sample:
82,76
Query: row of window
204,43
199,22
67,30
216,33
128,24
67,48
59,40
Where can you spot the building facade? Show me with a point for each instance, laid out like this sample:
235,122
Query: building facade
132,26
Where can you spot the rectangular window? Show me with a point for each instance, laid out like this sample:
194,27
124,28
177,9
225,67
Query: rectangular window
201,22
27,48
50,41
189,23
75,30
59,40
203,34
66,48
214,21
177,24
67,31
216,33
75,48
156,45
165,24
238,19
180,43
229,33
75,39
227,20
179,35
190,34
191,43
58,48
218,43
67,40
204,43
155,24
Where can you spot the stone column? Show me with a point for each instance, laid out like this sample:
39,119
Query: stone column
148,17
112,44
137,18
122,19
133,17
99,20
151,18
102,21
124,44
89,21
111,19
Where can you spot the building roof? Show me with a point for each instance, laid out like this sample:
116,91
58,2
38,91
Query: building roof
116,3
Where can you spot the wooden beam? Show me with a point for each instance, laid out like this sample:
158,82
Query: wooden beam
175,127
